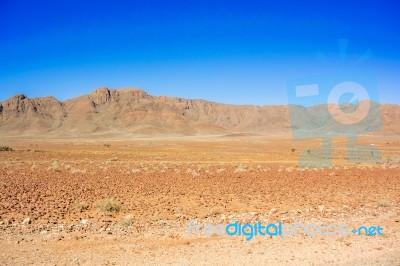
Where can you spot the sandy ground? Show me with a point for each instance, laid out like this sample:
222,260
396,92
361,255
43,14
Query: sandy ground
54,197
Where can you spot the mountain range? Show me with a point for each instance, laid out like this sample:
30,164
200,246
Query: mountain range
133,112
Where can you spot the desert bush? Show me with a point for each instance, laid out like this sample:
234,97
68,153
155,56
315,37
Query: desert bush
382,202
135,171
55,166
82,206
391,160
194,174
77,171
109,205
240,169
6,148
127,220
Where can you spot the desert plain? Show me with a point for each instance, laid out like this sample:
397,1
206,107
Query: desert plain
111,201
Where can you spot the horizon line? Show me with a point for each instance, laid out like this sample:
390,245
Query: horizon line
194,99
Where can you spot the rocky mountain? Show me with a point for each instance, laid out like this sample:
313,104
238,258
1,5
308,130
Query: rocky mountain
132,112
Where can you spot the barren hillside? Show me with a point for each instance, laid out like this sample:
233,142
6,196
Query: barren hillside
134,112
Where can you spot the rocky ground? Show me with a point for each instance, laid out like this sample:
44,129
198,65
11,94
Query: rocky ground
129,202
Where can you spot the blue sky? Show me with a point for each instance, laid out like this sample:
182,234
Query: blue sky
225,51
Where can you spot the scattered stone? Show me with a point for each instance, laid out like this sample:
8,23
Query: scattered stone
26,221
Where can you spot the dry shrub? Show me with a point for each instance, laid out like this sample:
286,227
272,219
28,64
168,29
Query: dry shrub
6,148
109,205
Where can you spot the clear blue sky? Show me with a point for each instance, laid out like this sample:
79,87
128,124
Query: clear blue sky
225,51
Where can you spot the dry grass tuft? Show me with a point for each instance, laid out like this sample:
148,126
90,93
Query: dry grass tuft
127,220
82,206
109,205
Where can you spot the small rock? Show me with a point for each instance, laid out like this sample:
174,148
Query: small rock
26,221
84,221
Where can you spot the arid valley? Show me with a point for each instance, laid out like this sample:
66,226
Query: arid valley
116,177
124,202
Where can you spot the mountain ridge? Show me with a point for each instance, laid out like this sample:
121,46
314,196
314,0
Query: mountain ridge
132,111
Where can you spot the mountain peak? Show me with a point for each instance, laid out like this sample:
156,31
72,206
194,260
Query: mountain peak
16,100
18,97
101,95
138,93
100,90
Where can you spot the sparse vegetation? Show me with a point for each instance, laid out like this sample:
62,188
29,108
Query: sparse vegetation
114,159
82,206
135,171
240,169
220,170
382,202
127,220
77,171
391,161
109,205
55,166
6,148
138,197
